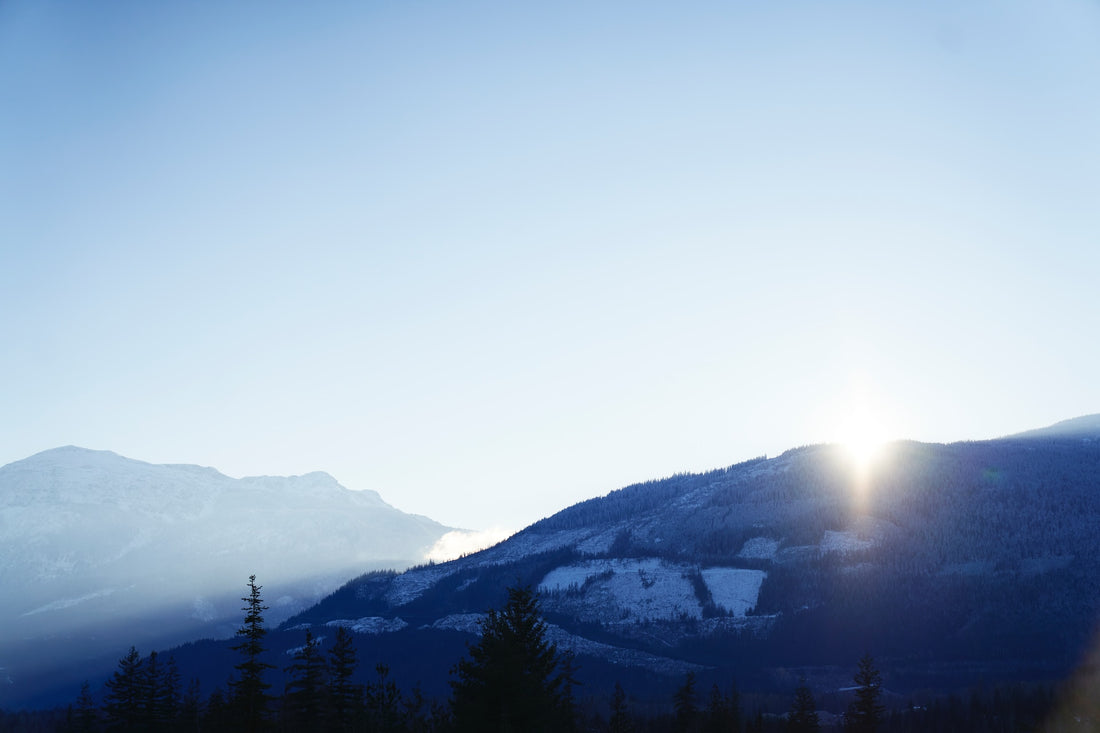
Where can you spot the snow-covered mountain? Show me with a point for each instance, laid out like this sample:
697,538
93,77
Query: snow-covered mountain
98,551
950,563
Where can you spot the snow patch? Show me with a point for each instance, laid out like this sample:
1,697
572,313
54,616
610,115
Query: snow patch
468,622
598,544
640,589
734,589
843,542
759,548
411,584
526,543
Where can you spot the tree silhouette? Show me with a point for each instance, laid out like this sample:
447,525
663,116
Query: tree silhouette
686,705
123,704
510,680
346,697
249,691
864,714
86,718
802,717
383,703
304,697
723,712
160,693
620,719
191,707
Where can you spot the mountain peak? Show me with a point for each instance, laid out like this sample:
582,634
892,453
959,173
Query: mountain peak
1085,426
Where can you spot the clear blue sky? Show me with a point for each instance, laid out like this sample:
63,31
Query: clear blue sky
492,258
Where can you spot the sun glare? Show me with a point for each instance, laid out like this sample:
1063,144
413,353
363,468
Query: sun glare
861,430
863,446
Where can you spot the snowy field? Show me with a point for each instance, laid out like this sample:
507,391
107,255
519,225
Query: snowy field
371,624
650,589
843,542
759,548
468,622
637,589
411,584
734,589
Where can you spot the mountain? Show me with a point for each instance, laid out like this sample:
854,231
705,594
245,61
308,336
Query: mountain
98,552
1086,427
951,564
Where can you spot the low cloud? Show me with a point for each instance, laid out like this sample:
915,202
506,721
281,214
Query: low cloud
459,542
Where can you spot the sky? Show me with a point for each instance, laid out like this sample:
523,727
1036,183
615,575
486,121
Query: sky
490,259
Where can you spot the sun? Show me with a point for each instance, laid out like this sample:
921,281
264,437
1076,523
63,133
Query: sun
861,431
862,439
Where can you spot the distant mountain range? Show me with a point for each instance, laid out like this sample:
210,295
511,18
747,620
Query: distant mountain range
98,552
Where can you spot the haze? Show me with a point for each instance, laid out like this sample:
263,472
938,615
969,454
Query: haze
490,259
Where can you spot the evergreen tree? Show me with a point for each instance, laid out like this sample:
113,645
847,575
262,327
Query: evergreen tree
217,716
124,702
864,714
417,712
249,692
802,717
160,693
383,703
686,705
720,716
304,697
86,716
171,698
510,680
346,697
620,719
190,716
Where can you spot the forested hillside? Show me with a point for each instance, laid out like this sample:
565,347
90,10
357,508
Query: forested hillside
949,562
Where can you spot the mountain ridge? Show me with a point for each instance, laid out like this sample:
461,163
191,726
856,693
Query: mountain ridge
974,556
94,546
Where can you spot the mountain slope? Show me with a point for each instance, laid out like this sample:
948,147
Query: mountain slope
1086,427
98,551
948,562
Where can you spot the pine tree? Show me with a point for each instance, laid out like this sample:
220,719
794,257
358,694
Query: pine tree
510,680
620,719
160,693
686,705
190,716
720,716
383,703
417,712
803,715
346,698
249,692
864,715
86,716
124,702
170,700
217,716
304,697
